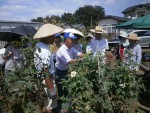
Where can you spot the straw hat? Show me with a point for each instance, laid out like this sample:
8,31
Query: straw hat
123,34
133,36
98,29
47,30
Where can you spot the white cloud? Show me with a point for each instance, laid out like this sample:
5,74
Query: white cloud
12,7
29,9
46,12
110,1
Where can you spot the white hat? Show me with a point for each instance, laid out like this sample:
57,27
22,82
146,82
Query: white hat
47,30
98,29
123,34
133,36
89,35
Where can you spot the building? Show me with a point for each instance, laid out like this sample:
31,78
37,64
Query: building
109,23
137,11
8,25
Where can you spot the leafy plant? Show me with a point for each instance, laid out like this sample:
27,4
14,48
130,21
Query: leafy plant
100,88
23,92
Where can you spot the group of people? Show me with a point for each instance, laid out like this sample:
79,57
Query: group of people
130,52
55,59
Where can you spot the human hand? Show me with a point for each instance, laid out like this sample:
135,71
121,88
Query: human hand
52,94
89,52
9,53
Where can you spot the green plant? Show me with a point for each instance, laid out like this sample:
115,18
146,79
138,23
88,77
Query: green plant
22,91
100,88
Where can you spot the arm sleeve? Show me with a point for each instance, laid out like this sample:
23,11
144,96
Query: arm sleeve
139,55
52,67
64,56
91,45
107,47
8,49
75,52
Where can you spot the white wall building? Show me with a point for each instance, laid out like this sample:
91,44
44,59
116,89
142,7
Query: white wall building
109,24
137,11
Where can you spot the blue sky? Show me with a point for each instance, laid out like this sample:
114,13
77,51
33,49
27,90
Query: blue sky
25,10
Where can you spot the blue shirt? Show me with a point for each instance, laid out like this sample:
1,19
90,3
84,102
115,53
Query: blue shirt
99,45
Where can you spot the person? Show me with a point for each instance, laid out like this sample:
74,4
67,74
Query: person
64,57
55,46
13,58
133,52
99,43
88,40
44,63
57,43
77,45
124,42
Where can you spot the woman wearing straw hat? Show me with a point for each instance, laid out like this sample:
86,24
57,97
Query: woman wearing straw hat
134,52
44,62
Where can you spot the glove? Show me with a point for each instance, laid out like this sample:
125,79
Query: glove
52,94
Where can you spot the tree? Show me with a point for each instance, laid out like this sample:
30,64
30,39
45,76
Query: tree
69,18
39,19
89,15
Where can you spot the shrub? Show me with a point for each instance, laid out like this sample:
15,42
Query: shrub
100,88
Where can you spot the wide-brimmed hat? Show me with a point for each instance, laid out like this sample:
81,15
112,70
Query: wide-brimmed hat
89,36
133,36
98,29
123,34
47,30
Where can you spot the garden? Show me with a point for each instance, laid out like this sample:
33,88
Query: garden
94,85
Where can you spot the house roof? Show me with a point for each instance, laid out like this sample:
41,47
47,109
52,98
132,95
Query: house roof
116,17
68,25
27,22
135,6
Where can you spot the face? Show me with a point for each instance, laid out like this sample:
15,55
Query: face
132,41
16,44
58,42
88,39
50,39
75,41
69,42
98,36
122,38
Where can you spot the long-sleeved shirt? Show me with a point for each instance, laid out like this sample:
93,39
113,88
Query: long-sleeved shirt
134,53
99,45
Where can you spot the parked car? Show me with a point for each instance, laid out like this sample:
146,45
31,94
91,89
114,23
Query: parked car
144,36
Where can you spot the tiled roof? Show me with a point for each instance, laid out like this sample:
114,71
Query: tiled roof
135,6
116,17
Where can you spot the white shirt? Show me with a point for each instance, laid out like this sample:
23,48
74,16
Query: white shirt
64,55
43,57
99,45
136,53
